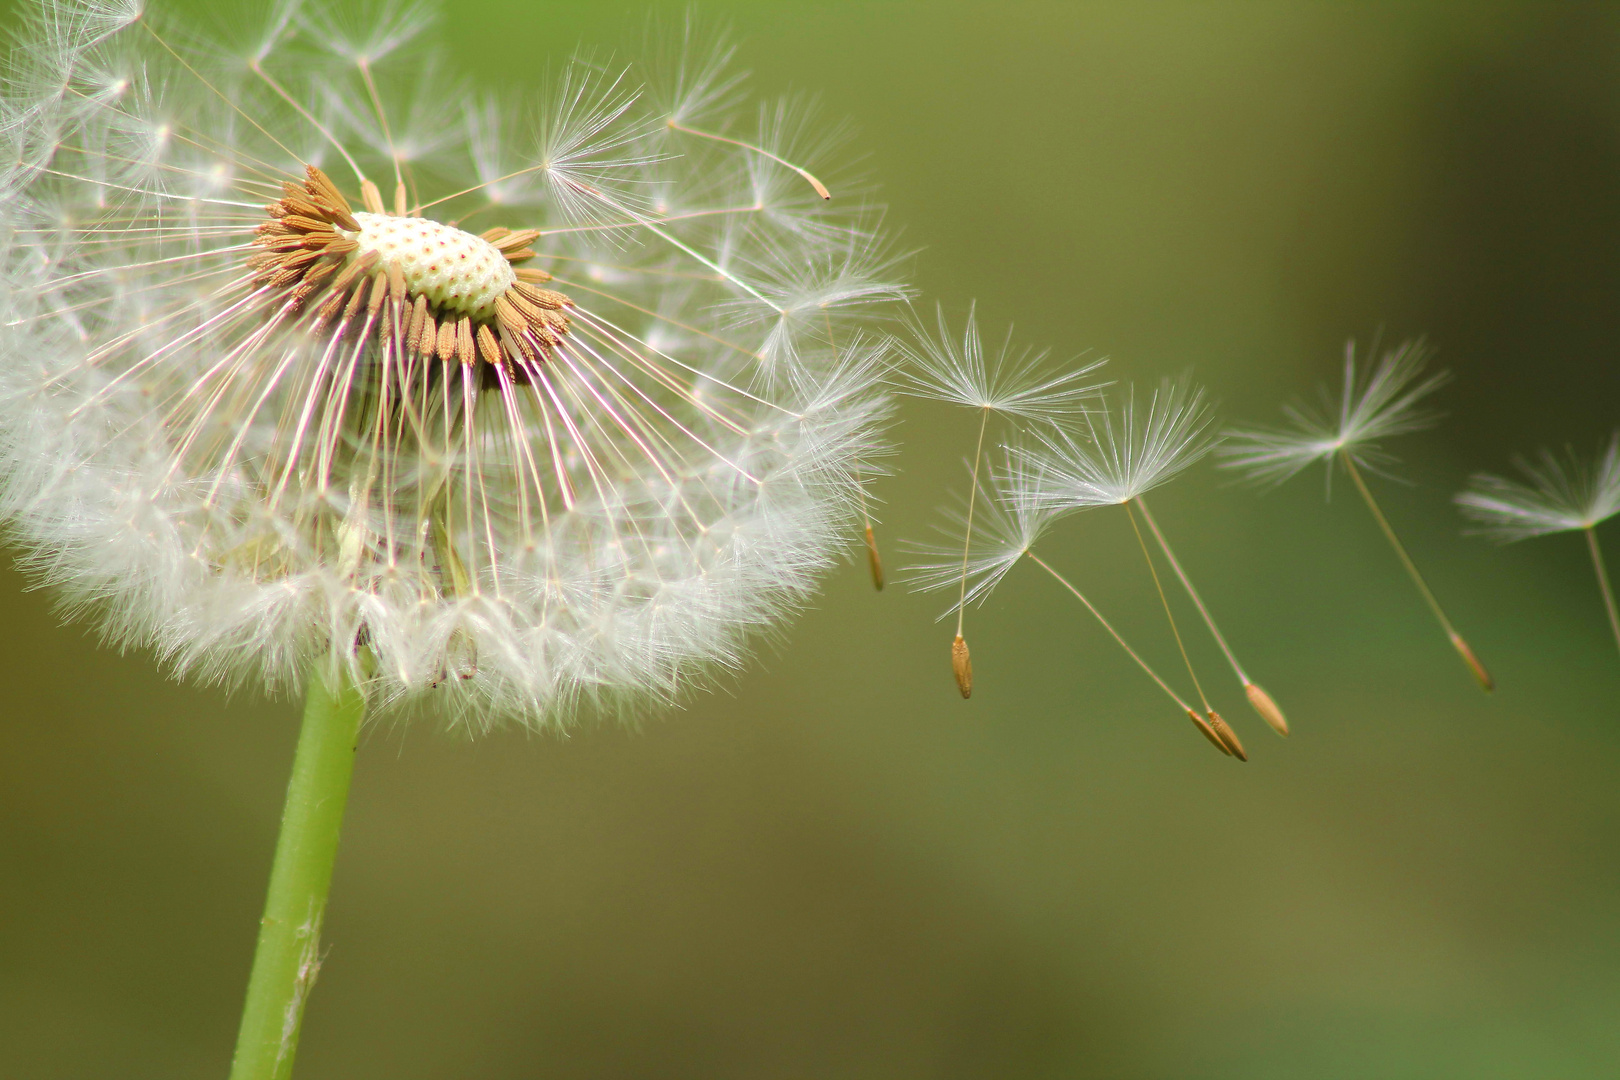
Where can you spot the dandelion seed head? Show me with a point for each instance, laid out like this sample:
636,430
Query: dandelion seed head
1369,409
313,353
1557,494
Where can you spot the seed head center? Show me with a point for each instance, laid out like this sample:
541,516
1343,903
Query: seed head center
455,270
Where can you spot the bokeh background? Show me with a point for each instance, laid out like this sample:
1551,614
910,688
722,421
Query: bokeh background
838,868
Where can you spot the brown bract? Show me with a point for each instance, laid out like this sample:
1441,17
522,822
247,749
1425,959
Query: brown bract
308,258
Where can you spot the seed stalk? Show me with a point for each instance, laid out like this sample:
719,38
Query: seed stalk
288,957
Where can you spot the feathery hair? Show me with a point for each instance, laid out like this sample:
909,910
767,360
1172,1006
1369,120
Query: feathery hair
1014,383
1558,495
1382,404
1010,517
1128,451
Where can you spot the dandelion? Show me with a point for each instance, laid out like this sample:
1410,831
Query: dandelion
1559,495
1126,453
1383,404
324,370
1015,511
1014,385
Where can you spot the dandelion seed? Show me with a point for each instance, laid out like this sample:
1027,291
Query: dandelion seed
1127,453
1014,514
1014,385
1262,704
1558,495
1384,404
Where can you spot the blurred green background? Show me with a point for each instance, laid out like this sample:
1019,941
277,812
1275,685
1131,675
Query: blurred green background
839,868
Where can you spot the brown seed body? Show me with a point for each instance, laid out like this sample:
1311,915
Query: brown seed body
1209,733
1486,683
962,666
1262,703
1227,736
874,559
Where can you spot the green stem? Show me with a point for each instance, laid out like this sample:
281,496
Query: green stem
1603,582
288,956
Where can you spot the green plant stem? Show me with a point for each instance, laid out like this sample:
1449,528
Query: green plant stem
1603,582
288,956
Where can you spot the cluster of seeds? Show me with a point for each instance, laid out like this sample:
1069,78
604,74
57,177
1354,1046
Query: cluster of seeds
456,295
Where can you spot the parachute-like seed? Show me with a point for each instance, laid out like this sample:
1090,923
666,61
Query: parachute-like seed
1557,495
1369,409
